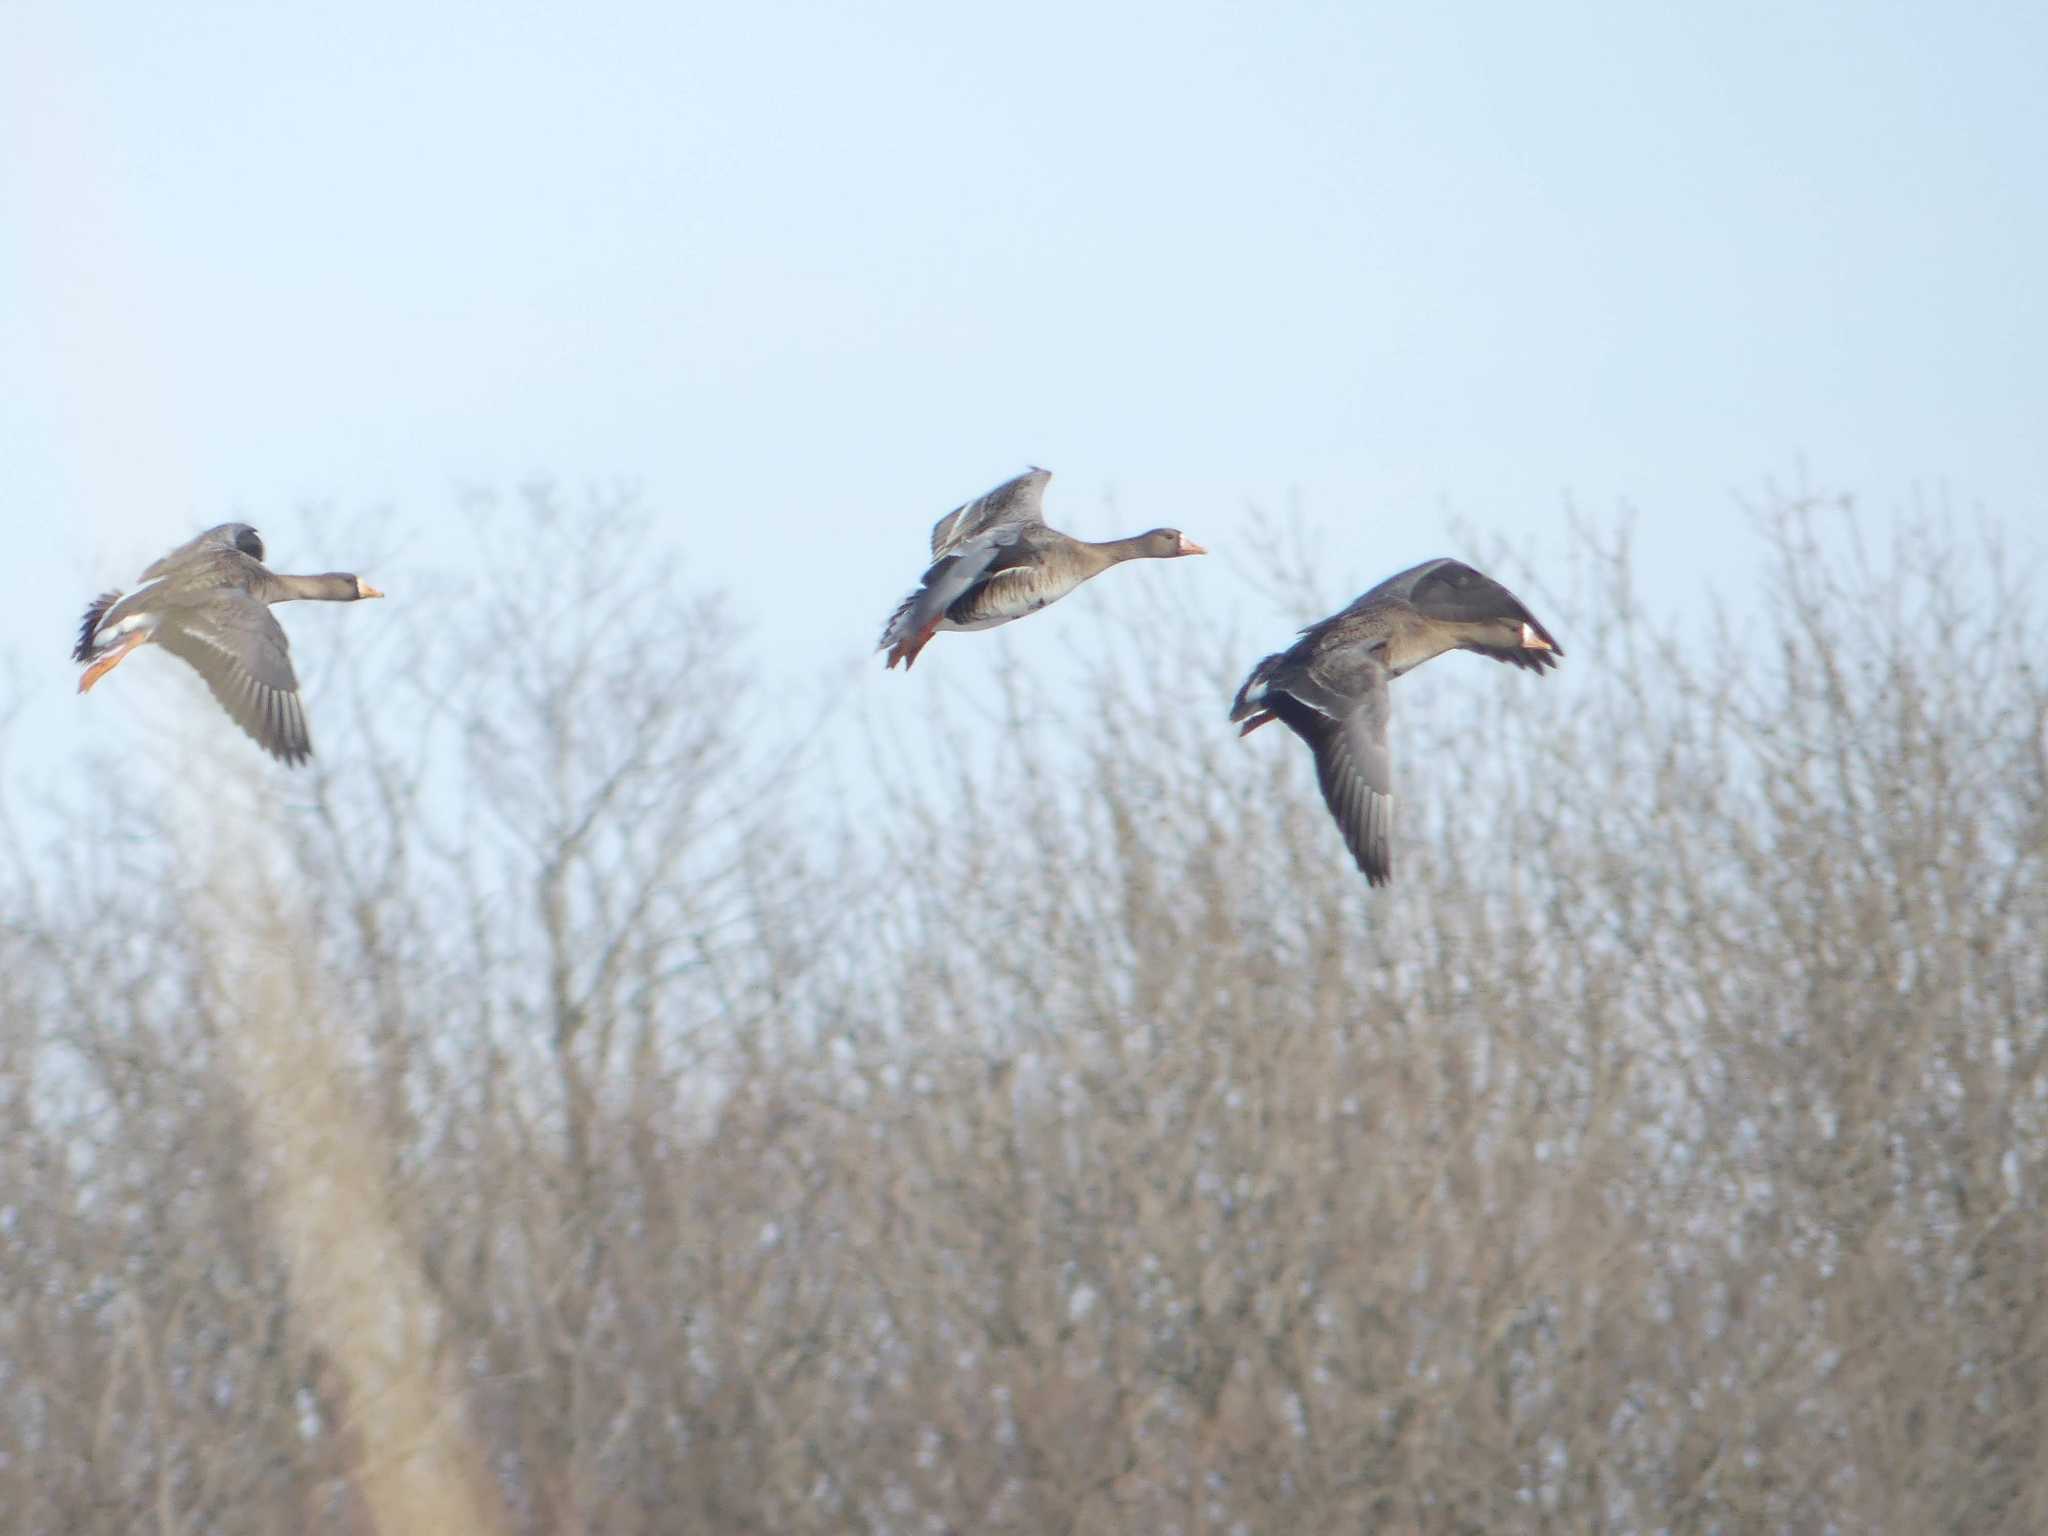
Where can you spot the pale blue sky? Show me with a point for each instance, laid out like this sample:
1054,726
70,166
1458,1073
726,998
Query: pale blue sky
810,274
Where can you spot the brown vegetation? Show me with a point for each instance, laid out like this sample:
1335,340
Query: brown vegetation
517,1126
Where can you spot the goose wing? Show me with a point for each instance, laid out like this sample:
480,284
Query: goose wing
232,546
219,559
1021,500
948,579
1339,704
237,645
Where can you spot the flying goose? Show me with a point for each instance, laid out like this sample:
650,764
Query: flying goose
994,560
1330,686
208,602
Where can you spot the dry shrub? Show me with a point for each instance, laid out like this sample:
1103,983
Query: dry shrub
1081,1148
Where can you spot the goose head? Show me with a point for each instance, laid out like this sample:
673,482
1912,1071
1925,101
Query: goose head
1165,544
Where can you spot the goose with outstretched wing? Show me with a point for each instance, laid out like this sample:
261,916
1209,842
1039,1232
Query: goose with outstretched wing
994,560
207,602
1330,686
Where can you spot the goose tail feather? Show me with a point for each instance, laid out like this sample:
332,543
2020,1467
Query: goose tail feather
901,636
89,642
1249,710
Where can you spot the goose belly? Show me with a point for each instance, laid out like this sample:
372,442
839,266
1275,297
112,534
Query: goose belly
1000,601
991,620
984,621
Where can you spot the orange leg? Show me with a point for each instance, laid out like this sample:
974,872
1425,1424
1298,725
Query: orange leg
906,650
111,660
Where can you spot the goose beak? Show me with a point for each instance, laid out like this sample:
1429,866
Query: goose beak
1189,547
364,589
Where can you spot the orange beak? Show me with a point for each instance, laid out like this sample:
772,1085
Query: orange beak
1189,547
365,589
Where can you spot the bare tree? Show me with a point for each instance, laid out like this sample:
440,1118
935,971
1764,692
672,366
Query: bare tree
531,1131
